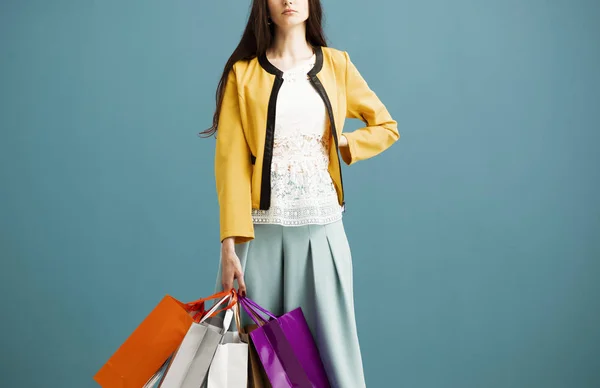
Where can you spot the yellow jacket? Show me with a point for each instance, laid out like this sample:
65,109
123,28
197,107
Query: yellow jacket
244,146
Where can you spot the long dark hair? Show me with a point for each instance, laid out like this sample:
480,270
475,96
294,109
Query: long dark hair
257,38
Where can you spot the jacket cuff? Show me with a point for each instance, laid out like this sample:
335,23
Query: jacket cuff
240,237
348,152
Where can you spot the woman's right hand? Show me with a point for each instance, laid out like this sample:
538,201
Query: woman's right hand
231,268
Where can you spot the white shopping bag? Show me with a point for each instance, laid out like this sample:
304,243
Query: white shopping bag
229,368
190,364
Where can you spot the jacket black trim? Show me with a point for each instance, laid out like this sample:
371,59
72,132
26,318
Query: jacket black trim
265,187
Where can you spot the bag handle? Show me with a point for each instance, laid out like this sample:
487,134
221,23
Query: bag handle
196,306
228,313
255,316
254,311
238,319
235,310
258,320
255,306
211,313
227,320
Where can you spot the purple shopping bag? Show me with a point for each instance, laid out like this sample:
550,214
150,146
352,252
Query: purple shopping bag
286,348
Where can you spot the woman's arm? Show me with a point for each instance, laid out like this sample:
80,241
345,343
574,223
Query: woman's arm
380,132
233,168
233,171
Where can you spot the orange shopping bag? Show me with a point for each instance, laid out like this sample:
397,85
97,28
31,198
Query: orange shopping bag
152,342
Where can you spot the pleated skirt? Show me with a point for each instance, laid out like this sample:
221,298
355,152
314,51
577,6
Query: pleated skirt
308,266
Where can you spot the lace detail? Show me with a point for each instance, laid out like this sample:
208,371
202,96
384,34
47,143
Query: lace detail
302,190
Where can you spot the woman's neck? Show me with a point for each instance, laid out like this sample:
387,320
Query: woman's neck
289,47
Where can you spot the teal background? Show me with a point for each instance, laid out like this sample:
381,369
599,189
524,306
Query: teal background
476,238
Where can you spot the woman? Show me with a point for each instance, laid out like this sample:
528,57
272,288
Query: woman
281,105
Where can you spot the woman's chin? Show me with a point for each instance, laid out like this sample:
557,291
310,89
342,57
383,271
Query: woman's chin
289,22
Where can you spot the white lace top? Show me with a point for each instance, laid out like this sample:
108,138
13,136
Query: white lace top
302,190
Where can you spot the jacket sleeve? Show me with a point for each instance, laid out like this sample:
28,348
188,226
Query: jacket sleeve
362,103
233,168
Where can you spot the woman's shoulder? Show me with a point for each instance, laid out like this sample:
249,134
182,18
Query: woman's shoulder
245,69
333,51
242,64
336,54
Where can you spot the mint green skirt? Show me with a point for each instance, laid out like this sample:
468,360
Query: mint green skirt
308,266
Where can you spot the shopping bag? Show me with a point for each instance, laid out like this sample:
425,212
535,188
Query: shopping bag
257,377
286,348
229,368
151,343
191,362
155,380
